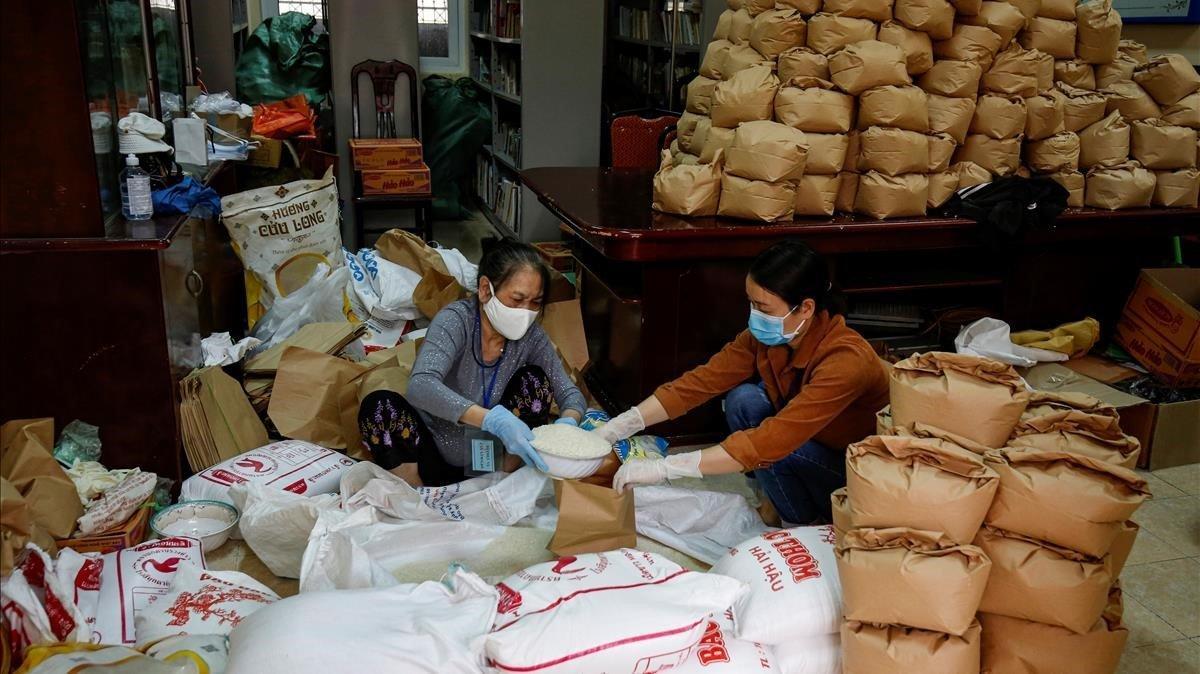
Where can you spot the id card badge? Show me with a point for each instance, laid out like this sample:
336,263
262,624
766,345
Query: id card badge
486,453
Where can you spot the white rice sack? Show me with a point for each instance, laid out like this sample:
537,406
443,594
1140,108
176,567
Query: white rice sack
821,654
201,602
719,652
575,614
131,577
569,442
276,524
793,580
288,465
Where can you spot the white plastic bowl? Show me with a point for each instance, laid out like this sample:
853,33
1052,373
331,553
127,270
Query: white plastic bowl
210,521
570,469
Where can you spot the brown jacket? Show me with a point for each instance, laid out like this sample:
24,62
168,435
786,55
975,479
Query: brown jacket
826,385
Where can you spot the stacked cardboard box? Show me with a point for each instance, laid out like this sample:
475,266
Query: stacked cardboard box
390,165
947,95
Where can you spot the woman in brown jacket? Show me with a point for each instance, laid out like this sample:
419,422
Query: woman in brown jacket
799,387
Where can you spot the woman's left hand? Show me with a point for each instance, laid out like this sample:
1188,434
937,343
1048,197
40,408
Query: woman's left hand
654,471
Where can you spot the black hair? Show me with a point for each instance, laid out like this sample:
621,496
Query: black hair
504,257
795,272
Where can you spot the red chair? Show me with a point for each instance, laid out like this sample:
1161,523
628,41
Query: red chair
636,140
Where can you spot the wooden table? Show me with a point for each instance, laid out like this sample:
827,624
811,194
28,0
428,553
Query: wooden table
662,293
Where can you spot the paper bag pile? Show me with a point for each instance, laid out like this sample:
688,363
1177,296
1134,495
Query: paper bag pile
38,501
217,421
985,529
901,102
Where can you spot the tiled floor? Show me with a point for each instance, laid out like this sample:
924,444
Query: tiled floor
1161,581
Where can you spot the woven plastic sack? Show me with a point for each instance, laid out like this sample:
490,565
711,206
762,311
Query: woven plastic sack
284,56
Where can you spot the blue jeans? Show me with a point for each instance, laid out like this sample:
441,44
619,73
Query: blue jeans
800,483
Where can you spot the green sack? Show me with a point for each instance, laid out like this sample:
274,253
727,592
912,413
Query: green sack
282,58
455,126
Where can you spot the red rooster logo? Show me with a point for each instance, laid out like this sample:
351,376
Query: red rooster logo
168,565
252,464
563,562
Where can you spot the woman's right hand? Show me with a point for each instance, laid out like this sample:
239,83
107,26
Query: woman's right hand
514,434
622,426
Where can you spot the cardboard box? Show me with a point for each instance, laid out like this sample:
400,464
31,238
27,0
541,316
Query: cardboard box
268,154
232,123
404,181
1169,433
1160,325
129,534
377,154
557,255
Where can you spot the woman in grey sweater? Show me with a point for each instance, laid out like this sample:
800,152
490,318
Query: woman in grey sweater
484,364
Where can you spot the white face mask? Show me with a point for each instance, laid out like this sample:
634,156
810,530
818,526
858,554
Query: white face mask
511,322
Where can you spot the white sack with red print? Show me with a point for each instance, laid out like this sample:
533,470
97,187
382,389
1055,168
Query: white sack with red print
793,580
37,607
132,578
201,602
288,465
719,652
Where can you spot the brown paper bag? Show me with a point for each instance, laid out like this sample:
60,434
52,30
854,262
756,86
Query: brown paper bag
724,21
1184,113
1057,9
875,10
232,423
1073,182
592,518
745,97
999,157
941,150
778,30
695,141
687,190
999,116
1055,37
826,153
756,7
882,196
685,129
1168,78
1098,436
917,47
812,105
17,527
816,195
941,187
1099,31
853,150
1134,50
718,140
843,517
1015,645
1176,189
1126,185
1044,116
1121,69
806,7
828,33
306,401
951,116
870,63
1014,72
756,199
870,649
1045,71
1122,546
27,462
901,107
1037,581
1028,8
699,94
935,17
1162,146
928,431
739,27
977,398
1043,403
438,287
847,192
910,577
1081,108
1004,19
801,62
1071,500
893,151
714,59
1105,143
682,158
920,483
1131,100
970,174
1076,73
742,57
958,79
1059,152
969,43
766,150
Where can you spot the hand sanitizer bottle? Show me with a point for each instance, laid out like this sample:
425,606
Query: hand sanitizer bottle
135,191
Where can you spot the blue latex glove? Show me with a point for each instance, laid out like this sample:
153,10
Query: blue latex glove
514,434
570,421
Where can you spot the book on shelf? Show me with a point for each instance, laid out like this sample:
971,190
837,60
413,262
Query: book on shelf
508,18
507,77
508,141
502,196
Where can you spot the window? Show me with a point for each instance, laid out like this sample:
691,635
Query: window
312,8
440,35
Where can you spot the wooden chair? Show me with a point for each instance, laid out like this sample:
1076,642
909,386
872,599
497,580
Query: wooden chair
637,140
385,82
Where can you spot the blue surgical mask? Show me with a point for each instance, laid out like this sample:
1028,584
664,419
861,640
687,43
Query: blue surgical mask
769,329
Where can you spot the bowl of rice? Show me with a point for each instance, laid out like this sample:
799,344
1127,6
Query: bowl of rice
570,453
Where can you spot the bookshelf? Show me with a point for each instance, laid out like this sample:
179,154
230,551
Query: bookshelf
653,49
540,64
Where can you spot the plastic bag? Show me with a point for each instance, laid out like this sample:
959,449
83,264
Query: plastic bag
284,56
288,118
317,301
703,524
185,197
456,127
80,441
276,524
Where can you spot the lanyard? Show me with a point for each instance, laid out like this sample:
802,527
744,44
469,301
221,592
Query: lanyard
495,367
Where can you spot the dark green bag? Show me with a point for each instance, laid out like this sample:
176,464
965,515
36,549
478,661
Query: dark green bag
282,58
455,126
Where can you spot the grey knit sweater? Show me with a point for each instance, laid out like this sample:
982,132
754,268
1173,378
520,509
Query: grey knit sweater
447,380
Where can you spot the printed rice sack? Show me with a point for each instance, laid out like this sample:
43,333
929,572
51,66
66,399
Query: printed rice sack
288,465
821,654
793,585
720,652
130,578
201,602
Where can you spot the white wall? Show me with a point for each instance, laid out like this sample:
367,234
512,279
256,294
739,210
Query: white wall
1166,38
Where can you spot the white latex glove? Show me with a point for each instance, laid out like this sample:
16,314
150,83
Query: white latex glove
653,471
622,426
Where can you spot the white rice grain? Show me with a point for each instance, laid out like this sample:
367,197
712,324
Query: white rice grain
569,442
